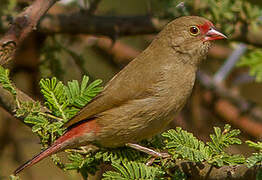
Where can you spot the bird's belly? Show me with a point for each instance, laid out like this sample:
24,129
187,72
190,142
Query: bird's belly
134,121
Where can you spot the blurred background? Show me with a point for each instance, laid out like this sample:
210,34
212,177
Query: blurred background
99,37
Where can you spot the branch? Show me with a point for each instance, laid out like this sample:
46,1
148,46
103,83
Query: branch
23,24
8,102
111,26
207,171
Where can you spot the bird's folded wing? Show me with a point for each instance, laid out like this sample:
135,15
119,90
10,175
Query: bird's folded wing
123,87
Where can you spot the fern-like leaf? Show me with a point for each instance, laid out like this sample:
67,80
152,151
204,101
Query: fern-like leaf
186,145
257,146
80,95
122,154
55,96
5,81
84,164
28,108
255,159
133,170
221,140
39,122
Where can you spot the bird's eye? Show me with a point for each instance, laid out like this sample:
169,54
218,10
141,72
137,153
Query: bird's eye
194,30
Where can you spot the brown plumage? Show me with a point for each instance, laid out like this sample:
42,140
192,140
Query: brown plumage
146,95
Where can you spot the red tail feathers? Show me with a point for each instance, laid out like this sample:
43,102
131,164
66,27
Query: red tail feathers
65,141
49,151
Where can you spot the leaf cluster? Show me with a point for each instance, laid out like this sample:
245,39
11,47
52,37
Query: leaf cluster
5,81
182,144
231,11
133,170
255,158
253,60
63,102
87,161
225,13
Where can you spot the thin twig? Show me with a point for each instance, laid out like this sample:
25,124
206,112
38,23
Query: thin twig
230,63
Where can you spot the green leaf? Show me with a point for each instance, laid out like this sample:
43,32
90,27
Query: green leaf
77,161
55,96
12,177
31,119
80,95
257,145
5,81
123,154
232,160
26,108
133,170
222,140
186,145
255,159
37,128
57,161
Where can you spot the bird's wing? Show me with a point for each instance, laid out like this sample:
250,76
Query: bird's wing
123,87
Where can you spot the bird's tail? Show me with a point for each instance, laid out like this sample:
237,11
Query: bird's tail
49,151
69,139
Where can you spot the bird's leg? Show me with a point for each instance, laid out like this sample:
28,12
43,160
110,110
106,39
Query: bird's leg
84,149
81,150
150,161
147,150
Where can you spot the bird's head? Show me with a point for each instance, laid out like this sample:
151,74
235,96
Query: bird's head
190,35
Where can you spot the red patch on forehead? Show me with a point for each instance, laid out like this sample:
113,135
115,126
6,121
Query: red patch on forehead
205,27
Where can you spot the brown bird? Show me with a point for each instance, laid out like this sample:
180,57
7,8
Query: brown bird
145,96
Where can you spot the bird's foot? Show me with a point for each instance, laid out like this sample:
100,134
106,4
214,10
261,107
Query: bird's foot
83,149
149,151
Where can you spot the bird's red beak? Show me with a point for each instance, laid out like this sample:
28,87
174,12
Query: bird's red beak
213,34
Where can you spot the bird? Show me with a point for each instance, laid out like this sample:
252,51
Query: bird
145,96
